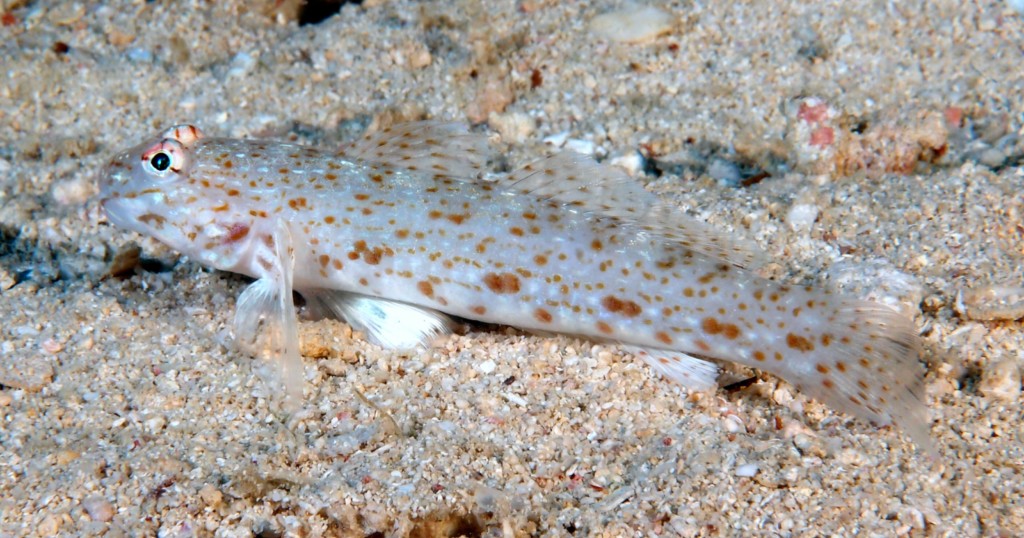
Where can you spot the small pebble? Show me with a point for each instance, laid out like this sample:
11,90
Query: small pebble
631,161
514,127
335,367
852,457
27,373
211,496
583,147
241,65
487,367
725,173
992,158
557,139
49,526
64,457
74,191
633,24
7,280
991,303
155,424
66,13
734,424
801,217
419,57
98,508
492,96
1001,380
138,54
747,470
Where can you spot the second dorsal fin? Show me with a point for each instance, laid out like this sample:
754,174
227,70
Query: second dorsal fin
580,182
577,181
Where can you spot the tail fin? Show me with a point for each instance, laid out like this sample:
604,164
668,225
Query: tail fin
867,365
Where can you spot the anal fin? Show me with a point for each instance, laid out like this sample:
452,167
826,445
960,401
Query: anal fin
688,371
389,324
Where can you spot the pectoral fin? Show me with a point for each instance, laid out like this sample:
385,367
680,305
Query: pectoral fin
266,325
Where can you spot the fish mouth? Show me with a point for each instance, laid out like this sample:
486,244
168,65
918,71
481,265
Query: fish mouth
117,212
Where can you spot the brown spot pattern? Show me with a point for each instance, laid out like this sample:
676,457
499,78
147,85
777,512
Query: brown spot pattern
615,305
713,327
502,283
542,315
798,342
236,232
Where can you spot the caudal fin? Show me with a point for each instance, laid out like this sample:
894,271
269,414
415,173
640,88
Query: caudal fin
866,363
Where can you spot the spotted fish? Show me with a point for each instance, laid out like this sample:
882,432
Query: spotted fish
406,227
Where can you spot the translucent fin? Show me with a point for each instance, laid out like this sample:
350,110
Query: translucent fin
389,324
579,181
266,325
875,374
688,371
567,177
428,146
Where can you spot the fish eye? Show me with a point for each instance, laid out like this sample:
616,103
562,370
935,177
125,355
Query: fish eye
160,162
165,159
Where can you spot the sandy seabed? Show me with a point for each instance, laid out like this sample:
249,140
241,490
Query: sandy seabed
873,147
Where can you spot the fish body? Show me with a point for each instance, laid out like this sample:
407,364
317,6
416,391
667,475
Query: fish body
399,230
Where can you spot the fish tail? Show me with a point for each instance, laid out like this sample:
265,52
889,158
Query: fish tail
863,360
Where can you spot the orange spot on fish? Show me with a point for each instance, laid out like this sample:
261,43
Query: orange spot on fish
712,326
542,315
502,283
618,306
237,231
799,343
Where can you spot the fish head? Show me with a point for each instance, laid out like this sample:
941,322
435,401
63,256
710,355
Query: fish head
153,189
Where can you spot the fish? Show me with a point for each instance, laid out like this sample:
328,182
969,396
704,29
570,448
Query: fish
405,229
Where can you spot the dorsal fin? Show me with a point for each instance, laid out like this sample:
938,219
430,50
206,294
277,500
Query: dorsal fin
579,181
427,146
567,177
